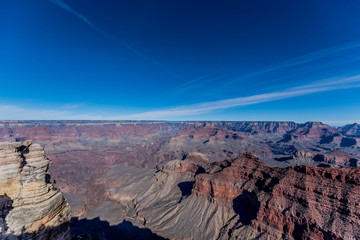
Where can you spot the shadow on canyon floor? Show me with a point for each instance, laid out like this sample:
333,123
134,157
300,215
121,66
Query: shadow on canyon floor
186,188
60,232
96,229
6,205
247,206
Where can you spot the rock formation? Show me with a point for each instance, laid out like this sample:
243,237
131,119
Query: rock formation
30,206
351,130
333,158
296,202
235,199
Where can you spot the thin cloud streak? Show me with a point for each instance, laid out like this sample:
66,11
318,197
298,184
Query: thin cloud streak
198,83
13,112
324,86
304,59
66,7
299,67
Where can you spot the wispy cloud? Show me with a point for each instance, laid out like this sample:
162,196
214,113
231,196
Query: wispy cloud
71,112
201,108
82,17
309,58
304,68
200,82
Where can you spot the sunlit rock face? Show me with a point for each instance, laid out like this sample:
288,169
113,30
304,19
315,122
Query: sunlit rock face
241,198
30,206
298,202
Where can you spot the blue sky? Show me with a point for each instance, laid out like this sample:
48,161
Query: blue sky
180,60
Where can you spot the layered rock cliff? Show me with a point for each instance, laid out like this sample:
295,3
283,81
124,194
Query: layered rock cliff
30,206
351,130
292,203
235,199
333,158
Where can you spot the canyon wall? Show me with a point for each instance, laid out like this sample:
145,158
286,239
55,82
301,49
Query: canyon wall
235,199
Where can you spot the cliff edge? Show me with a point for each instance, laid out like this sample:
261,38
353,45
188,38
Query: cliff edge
240,198
30,206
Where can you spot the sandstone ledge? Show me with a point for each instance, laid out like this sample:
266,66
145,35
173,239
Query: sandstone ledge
30,206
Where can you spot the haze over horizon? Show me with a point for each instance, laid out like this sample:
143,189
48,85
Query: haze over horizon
180,60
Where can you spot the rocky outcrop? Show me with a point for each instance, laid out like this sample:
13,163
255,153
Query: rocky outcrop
30,206
263,127
236,199
292,203
351,130
334,158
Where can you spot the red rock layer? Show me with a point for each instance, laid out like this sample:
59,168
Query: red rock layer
301,202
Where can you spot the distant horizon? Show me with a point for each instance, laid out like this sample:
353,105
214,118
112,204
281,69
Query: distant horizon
129,120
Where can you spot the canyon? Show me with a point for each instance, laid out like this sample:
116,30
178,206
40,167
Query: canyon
162,178
241,198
